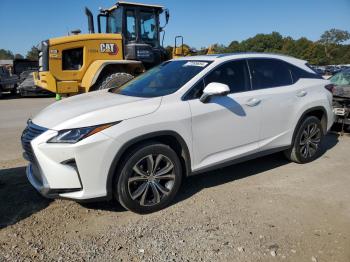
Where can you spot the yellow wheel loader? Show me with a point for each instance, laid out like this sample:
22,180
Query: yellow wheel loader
127,43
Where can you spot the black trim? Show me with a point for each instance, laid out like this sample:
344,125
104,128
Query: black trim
240,160
127,145
55,193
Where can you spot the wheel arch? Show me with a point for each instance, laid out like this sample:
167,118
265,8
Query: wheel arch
170,138
320,112
101,68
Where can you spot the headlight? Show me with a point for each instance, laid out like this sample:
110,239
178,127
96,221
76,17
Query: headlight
74,135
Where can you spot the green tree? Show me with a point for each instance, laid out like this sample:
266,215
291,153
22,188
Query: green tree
19,56
263,43
6,54
331,39
33,53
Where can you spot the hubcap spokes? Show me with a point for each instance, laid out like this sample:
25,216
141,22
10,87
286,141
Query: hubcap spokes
151,180
310,140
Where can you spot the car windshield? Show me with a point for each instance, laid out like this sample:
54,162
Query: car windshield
341,79
162,80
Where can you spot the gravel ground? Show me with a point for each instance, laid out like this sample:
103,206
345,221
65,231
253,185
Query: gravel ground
263,210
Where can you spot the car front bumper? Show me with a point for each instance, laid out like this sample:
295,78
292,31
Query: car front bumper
37,181
75,171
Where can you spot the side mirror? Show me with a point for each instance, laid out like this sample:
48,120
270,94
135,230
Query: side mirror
167,15
214,89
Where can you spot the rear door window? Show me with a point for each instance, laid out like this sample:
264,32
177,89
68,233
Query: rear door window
268,73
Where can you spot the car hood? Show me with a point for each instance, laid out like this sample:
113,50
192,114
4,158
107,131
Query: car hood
94,108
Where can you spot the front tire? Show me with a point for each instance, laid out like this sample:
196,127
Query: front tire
306,145
14,90
149,179
113,80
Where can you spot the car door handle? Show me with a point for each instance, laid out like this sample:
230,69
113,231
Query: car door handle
253,102
302,93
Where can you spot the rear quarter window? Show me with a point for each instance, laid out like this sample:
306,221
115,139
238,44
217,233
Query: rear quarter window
298,73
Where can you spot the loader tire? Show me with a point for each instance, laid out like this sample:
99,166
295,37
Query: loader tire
113,80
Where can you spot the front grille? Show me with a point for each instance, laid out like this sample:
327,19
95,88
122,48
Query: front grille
31,132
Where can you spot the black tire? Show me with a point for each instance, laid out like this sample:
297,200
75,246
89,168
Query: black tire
137,191
14,90
307,142
113,80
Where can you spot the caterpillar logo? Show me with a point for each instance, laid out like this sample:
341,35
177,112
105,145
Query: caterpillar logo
109,48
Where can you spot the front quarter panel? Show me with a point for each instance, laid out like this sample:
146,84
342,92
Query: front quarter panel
173,115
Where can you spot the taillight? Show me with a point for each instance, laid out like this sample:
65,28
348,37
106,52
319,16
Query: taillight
330,88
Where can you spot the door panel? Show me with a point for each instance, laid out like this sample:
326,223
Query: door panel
277,107
278,96
224,129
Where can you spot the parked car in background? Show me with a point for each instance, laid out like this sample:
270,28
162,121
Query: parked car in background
8,82
187,116
341,96
24,65
27,86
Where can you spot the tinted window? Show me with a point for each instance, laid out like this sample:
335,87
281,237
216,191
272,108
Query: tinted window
162,80
298,73
267,73
234,74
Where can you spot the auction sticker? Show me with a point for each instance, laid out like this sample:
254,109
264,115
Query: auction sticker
196,63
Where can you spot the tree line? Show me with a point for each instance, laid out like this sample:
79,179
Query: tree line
32,54
329,49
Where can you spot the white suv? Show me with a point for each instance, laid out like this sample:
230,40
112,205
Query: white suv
184,117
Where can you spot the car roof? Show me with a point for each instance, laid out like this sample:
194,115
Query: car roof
239,55
243,55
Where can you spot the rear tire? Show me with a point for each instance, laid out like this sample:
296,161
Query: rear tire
306,145
14,90
149,178
113,80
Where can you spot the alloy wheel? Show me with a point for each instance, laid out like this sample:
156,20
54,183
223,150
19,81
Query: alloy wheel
310,140
152,179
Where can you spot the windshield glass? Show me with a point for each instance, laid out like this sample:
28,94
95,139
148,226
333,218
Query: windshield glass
148,27
114,22
342,78
162,80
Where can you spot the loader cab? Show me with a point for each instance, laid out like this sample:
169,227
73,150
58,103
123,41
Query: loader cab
140,27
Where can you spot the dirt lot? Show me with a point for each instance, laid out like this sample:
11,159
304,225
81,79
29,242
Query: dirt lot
262,210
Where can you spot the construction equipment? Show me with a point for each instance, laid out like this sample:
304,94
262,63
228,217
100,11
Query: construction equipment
127,43
180,49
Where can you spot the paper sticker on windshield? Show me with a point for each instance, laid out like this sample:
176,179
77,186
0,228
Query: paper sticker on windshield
196,63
